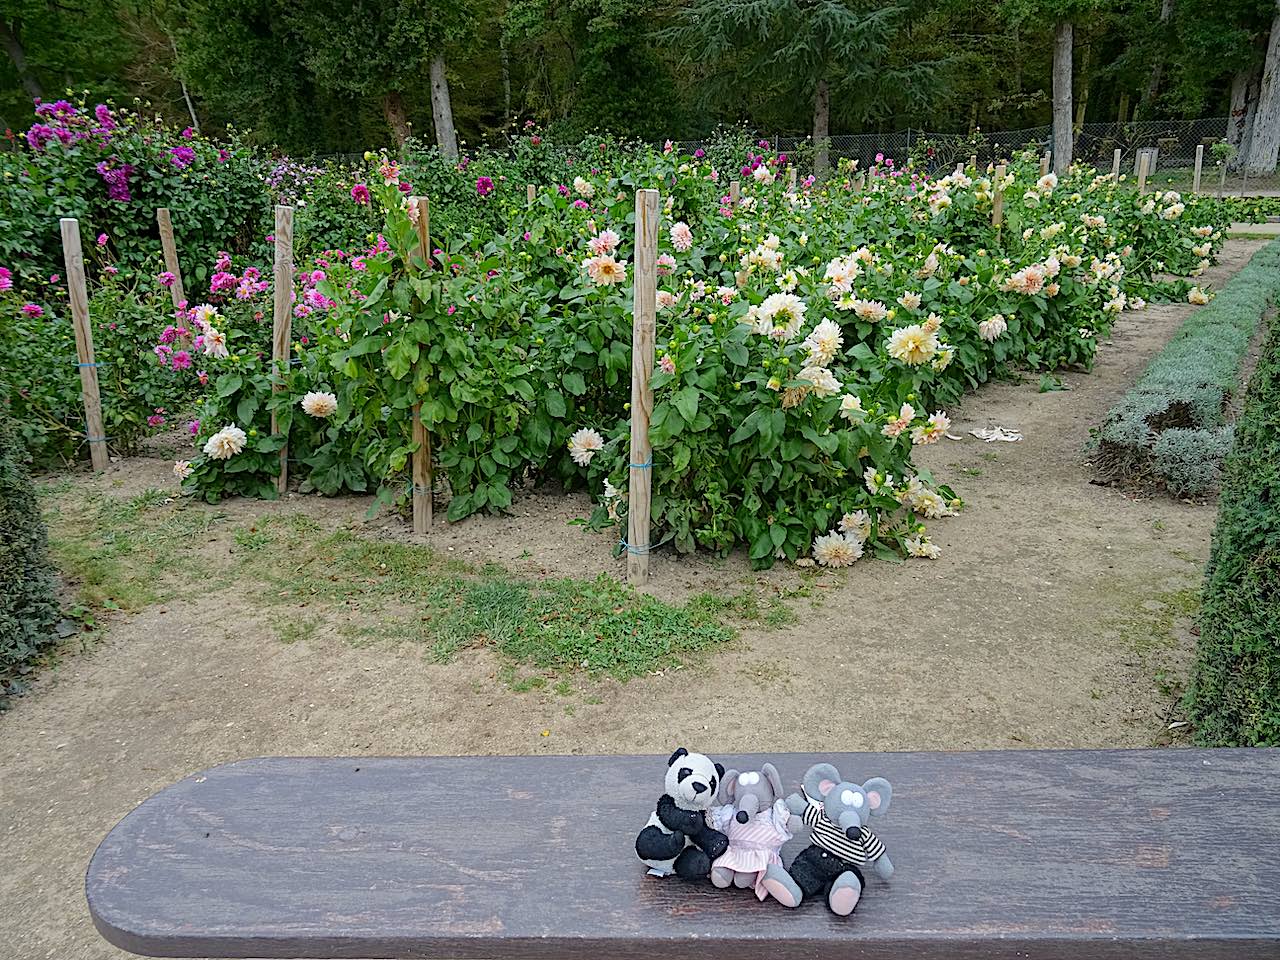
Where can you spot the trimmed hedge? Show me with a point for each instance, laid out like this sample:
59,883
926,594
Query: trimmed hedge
1171,428
1234,697
28,608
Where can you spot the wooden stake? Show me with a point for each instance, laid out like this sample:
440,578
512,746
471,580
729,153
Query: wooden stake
282,326
1115,165
1195,180
644,296
997,197
1142,170
735,190
423,474
73,257
170,255
530,193
791,179
973,162
1044,163
1222,181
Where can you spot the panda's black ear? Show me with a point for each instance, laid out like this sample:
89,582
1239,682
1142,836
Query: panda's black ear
720,770
680,752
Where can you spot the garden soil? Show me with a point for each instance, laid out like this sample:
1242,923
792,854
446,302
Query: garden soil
1059,615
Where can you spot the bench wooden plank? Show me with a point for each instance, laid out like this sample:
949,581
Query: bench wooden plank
1055,855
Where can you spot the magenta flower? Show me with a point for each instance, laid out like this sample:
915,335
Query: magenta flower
110,270
405,186
667,365
484,186
169,334
181,360
223,156
222,281
166,279
582,204
188,133
6,279
203,377
699,154
182,157
54,277
33,310
102,239
155,420
360,193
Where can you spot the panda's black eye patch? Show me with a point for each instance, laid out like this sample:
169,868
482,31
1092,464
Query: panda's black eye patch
683,773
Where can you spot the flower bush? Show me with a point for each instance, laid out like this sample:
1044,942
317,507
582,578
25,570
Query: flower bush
807,343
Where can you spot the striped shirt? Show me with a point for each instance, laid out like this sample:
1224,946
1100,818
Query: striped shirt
828,836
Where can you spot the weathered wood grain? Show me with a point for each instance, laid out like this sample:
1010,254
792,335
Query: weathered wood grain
644,294
282,323
176,292
78,293
1056,855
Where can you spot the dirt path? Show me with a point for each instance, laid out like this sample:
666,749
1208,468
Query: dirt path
1049,621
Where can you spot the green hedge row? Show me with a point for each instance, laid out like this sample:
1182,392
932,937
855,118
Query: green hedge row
28,608
1234,698
1171,428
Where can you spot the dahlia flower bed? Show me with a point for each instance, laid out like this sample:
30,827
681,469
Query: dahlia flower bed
807,343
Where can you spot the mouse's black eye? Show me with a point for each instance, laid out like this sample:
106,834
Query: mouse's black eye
683,773
713,784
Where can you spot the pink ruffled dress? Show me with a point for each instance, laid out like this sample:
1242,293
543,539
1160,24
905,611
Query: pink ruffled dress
752,845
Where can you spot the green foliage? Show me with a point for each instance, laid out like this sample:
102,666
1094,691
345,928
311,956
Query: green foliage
111,169
28,608
40,381
1234,698
517,356
1171,427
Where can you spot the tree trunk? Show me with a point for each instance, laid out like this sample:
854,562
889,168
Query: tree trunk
1063,34
393,110
821,130
506,78
1082,101
13,46
1244,104
442,110
1264,143
186,95
1146,106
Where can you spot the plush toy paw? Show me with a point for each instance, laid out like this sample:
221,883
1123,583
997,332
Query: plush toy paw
713,842
797,804
884,866
722,877
693,864
845,893
781,887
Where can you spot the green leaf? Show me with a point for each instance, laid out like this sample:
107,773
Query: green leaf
229,383
555,404
686,401
574,383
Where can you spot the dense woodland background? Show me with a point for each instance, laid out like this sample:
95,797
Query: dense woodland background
330,76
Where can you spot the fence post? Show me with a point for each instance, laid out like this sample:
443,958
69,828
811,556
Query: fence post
1115,165
1142,170
1044,163
735,189
530,194
791,178
170,255
73,257
973,162
282,325
1195,180
423,474
997,197
644,295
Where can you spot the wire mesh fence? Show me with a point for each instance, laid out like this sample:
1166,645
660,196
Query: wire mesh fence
1173,141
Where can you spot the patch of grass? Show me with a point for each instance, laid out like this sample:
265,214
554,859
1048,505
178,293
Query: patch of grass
598,626
251,538
296,631
748,606
124,554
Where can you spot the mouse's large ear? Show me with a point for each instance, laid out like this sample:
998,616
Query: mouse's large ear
879,793
775,779
819,779
680,752
729,786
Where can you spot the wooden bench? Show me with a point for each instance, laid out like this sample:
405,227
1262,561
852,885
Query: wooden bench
1035,855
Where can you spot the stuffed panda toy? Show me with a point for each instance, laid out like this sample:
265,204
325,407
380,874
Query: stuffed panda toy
677,838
